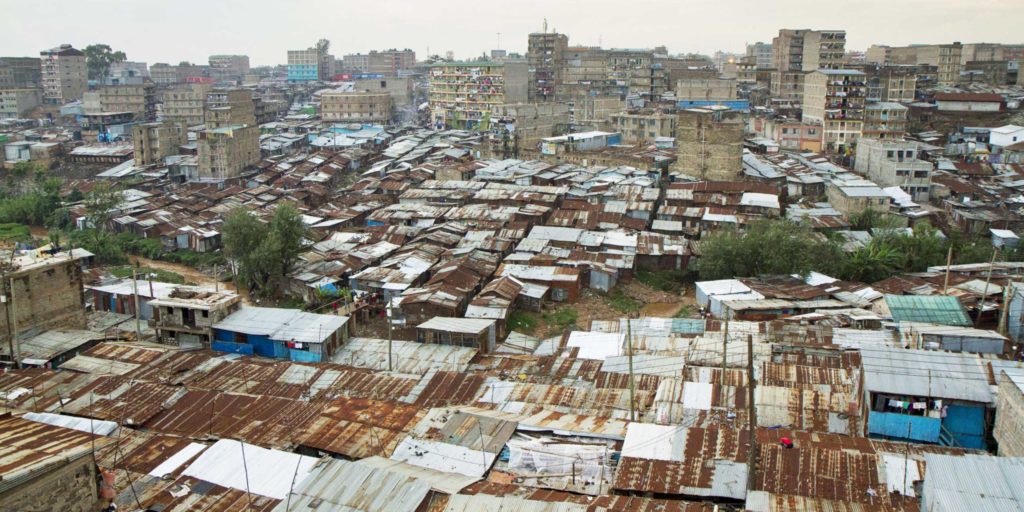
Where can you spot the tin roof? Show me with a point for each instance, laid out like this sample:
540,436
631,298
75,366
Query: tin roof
341,485
29,446
250,468
935,309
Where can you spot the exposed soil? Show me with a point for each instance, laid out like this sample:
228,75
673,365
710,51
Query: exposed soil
191,275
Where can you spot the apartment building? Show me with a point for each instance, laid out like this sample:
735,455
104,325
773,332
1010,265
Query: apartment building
400,88
356,62
705,89
885,120
948,58
225,152
387,62
16,103
155,141
309,65
186,103
762,53
20,72
545,56
643,127
64,74
531,122
229,66
894,163
949,63
163,73
795,52
356,107
891,83
709,144
229,107
462,94
835,98
140,100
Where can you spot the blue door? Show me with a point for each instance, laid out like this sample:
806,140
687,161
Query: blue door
967,424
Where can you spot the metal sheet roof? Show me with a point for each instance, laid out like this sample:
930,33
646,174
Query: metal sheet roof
406,356
341,485
250,468
925,373
973,482
99,427
448,483
935,309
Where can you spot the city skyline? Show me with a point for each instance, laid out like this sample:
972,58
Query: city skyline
265,32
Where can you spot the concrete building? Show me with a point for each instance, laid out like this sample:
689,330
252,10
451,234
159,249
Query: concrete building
400,88
853,198
140,100
155,141
890,83
1009,428
885,120
41,293
225,152
20,72
531,122
949,63
787,88
229,67
229,107
356,107
186,317
388,62
186,104
64,74
762,53
643,127
991,72
163,74
969,102
709,144
894,163
946,57
546,58
799,51
462,94
16,103
309,65
835,99
705,89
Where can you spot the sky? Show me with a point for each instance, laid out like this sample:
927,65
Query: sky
190,30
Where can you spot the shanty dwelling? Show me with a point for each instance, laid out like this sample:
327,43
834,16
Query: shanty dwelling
972,482
479,333
1004,238
50,349
1009,429
1015,312
187,315
48,467
952,338
119,296
926,396
281,333
565,283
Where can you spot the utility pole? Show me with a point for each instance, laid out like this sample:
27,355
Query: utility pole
949,262
12,326
390,318
629,354
984,291
751,413
725,341
135,292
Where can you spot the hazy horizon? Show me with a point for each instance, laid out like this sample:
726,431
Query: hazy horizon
190,30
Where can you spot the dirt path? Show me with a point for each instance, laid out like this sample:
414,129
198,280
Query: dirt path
191,275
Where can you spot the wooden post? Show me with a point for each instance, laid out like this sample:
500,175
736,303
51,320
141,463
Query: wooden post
390,317
751,413
12,326
135,292
629,353
984,291
949,263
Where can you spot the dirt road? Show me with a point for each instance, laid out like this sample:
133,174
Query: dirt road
190,274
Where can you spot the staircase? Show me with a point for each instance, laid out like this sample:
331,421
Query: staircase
946,437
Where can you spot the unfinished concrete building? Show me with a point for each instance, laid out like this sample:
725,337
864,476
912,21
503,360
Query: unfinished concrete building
643,127
710,144
225,152
545,56
186,103
230,107
531,122
155,141
186,317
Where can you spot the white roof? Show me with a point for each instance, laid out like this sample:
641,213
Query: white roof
758,199
98,427
973,482
282,324
445,457
722,287
1003,233
596,345
654,442
460,325
264,472
172,463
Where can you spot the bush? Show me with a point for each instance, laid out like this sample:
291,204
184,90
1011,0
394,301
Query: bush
523,322
561,318
623,303
163,276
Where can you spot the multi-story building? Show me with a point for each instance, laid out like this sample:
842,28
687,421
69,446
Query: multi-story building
878,54
400,88
309,65
186,103
949,63
787,88
643,127
885,120
795,52
225,152
64,74
545,56
230,67
356,107
946,57
746,70
155,141
894,163
163,73
356,62
390,62
890,83
531,122
462,94
15,103
140,100
762,53
709,144
229,107
20,72
705,89
187,316
835,98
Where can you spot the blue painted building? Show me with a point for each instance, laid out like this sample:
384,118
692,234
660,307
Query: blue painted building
927,396
281,333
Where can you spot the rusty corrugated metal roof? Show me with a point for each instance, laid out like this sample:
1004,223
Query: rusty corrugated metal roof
359,428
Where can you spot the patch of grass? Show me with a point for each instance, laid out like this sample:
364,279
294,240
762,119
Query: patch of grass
663,280
14,232
522,321
684,312
623,303
163,276
561,318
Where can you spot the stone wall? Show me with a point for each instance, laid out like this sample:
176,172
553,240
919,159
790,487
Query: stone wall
45,297
69,488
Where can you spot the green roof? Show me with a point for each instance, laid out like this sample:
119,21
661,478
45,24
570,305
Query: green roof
934,309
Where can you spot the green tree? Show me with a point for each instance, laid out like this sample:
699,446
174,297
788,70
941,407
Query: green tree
99,57
873,262
262,252
766,247
100,205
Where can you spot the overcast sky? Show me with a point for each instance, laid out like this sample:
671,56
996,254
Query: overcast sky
175,30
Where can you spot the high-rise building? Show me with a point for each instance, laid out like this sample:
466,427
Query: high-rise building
155,141
835,99
20,72
462,94
311,64
949,63
762,53
186,103
64,74
796,52
225,152
230,107
545,57
139,100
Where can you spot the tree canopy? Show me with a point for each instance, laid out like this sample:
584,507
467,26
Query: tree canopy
263,251
765,247
99,57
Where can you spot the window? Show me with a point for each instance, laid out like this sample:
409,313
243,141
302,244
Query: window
920,174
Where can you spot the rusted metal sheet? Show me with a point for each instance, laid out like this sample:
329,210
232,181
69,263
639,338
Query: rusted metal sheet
359,427
189,494
41,390
124,400
125,352
437,389
28,445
